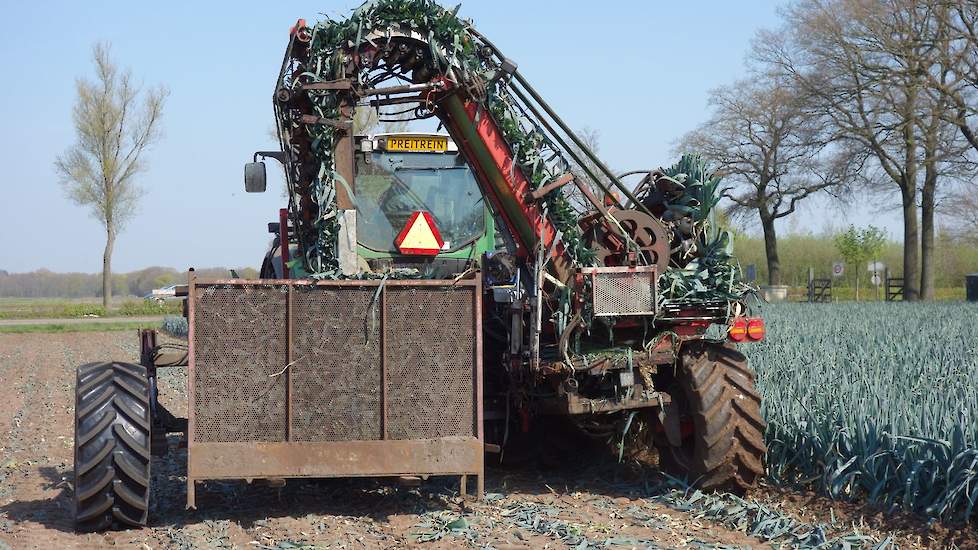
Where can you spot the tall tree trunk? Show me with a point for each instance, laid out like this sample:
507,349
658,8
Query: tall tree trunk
771,249
908,192
931,145
107,268
911,238
927,233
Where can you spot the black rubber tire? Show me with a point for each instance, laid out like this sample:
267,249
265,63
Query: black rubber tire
726,449
112,446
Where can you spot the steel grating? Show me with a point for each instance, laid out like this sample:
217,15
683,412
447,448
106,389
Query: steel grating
357,348
623,291
336,373
430,353
239,343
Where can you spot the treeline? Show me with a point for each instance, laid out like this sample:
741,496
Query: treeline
953,258
858,100
44,283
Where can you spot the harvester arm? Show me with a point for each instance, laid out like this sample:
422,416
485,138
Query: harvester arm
524,156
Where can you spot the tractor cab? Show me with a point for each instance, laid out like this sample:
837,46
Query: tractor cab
418,205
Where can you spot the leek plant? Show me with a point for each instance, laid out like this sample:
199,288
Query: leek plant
875,402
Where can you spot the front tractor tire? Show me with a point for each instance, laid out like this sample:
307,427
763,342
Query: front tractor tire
112,446
722,440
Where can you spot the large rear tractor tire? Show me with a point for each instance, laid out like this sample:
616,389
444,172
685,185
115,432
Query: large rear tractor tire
112,446
722,440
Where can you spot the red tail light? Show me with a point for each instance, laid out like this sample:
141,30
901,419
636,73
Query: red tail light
755,329
738,330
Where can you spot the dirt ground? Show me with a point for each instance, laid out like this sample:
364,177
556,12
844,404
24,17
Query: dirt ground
581,502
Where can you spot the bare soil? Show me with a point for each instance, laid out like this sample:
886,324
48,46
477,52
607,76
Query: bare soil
544,505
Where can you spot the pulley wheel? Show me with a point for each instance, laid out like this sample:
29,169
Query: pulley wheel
647,232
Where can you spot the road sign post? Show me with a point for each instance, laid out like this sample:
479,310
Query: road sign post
876,268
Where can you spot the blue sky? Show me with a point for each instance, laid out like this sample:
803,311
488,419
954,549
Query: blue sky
637,71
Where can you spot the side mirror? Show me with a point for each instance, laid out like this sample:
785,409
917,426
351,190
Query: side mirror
255,177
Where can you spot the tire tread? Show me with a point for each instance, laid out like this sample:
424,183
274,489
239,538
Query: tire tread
728,433
112,446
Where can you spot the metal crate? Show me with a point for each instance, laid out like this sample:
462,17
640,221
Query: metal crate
304,378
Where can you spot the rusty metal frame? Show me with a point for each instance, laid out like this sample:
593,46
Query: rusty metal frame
303,459
461,456
191,424
575,404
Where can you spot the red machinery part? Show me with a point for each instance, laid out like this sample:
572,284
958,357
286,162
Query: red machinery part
738,330
283,228
301,31
482,144
755,329
747,328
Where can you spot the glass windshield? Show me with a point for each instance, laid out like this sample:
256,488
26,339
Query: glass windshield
392,186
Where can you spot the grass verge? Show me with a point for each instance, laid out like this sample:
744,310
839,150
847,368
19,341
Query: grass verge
76,327
43,308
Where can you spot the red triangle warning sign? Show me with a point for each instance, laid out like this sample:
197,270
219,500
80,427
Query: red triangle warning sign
420,236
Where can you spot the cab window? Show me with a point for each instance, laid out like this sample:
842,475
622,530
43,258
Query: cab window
392,186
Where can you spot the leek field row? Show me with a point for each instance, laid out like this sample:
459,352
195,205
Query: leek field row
874,401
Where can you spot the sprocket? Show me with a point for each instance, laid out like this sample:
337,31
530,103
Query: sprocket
611,249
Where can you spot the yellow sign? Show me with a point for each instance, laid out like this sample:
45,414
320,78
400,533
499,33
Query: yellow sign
420,144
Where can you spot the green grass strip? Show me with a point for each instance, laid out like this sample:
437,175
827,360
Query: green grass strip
75,327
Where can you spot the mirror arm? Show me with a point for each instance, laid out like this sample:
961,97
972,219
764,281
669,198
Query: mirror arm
281,156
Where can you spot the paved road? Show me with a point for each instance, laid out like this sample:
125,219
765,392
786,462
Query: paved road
81,320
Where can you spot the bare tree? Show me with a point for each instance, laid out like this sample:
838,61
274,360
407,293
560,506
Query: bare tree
868,62
954,84
962,208
115,123
940,124
944,160
592,140
956,42
767,145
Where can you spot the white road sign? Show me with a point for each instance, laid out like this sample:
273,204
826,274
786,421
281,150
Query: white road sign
838,268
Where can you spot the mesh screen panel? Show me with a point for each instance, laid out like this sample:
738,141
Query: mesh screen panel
430,354
239,342
623,293
336,374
